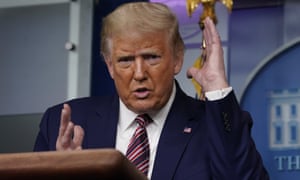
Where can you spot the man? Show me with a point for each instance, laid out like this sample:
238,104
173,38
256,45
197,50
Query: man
189,139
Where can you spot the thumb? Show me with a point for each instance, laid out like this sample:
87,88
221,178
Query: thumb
192,72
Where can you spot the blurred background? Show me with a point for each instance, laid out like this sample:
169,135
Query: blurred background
49,53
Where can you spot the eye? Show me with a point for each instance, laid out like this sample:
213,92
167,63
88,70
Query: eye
152,59
125,61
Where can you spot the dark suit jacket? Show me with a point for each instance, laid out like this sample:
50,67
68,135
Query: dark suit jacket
200,139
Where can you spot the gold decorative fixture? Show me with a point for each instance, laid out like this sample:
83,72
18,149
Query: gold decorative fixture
208,8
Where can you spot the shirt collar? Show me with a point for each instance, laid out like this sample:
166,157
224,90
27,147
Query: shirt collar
126,116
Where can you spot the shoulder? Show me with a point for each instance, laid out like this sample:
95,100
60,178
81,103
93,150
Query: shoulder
92,101
85,103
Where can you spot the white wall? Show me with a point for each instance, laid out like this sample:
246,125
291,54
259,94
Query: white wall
36,70
33,60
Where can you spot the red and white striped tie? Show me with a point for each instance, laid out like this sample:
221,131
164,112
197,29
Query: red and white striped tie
138,151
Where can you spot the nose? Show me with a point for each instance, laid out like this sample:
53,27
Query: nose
140,70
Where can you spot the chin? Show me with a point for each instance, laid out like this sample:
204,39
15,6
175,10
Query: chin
142,108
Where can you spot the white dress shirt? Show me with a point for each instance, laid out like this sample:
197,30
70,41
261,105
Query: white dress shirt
127,125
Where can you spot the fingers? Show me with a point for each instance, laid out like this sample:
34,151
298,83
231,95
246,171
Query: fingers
211,34
70,136
66,139
78,137
65,119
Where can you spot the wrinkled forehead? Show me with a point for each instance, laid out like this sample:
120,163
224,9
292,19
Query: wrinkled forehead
136,40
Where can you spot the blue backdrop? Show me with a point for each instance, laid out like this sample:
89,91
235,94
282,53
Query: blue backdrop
279,75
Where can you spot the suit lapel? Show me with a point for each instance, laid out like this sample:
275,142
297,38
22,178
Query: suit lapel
178,130
102,126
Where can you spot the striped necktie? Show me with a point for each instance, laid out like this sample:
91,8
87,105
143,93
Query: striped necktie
138,151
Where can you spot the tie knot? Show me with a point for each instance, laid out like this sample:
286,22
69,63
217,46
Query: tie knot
143,120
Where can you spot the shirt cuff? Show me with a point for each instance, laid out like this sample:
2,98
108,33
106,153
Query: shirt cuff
218,94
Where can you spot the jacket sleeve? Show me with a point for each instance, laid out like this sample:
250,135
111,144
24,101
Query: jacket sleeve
48,132
233,154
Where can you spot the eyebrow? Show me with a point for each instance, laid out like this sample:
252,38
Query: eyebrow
145,52
125,57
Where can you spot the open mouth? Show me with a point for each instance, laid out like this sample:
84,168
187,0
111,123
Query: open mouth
141,90
141,93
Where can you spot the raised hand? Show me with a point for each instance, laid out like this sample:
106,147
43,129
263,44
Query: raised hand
212,75
70,136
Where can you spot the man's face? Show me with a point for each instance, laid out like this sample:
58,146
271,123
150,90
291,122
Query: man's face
143,68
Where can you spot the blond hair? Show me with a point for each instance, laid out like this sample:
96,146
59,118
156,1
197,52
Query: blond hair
143,17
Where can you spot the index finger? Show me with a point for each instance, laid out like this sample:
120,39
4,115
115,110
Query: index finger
65,118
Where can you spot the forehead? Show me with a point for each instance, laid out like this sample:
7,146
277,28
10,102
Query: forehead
135,41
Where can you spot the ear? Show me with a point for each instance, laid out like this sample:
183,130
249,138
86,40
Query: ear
109,65
178,62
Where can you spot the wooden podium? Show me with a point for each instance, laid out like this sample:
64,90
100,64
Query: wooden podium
84,164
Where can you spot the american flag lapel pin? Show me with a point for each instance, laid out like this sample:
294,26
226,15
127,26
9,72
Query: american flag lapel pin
187,130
